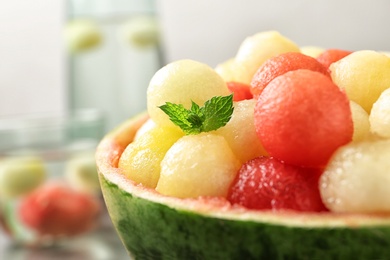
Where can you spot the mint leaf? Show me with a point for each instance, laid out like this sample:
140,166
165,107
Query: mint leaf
215,113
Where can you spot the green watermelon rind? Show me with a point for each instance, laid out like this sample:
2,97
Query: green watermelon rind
152,226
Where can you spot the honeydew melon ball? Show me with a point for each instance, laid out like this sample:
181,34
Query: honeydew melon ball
312,51
82,35
380,115
141,159
364,75
240,132
182,82
198,165
361,124
357,178
21,175
258,48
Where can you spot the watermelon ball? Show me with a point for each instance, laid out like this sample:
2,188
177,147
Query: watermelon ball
281,64
330,56
58,210
241,91
302,117
268,183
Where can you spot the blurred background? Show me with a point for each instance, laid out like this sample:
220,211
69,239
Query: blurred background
71,70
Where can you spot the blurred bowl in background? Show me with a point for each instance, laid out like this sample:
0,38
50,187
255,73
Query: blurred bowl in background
49,189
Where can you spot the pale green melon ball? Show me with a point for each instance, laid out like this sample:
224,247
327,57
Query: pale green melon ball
380,115
182,82
198,165
361,124
258,48
240,132
357,178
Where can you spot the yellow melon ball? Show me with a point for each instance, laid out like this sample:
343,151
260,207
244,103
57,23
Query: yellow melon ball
364,75
312,51
198,165
258,48
141,159
380,115
82,35
231,70
182,82
240,132
361,124
357,178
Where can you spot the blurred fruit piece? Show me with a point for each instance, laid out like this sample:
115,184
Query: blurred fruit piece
330,56
141,31
363,75
82,174
231,70
258,48
302,117
280,64
268,183
82,35
357,178
380,115
20,175
240,91
57,210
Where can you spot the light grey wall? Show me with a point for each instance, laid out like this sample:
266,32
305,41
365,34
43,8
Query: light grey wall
211,31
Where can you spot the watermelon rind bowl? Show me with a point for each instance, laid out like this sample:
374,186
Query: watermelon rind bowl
154,226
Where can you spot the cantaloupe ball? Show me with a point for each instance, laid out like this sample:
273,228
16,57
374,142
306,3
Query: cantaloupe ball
380,115
256,49
361,124
182,82
240,132
357,178
198,165
312,51
141,159
364,75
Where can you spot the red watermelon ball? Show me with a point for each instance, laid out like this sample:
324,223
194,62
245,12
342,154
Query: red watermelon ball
302,117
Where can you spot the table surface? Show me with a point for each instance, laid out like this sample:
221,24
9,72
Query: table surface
101,244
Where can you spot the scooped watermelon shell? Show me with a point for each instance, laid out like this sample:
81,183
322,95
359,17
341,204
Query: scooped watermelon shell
153,226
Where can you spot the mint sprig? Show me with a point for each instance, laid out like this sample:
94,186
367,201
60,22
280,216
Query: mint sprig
214,114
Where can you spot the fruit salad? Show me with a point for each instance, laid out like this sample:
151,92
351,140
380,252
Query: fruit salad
272,128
